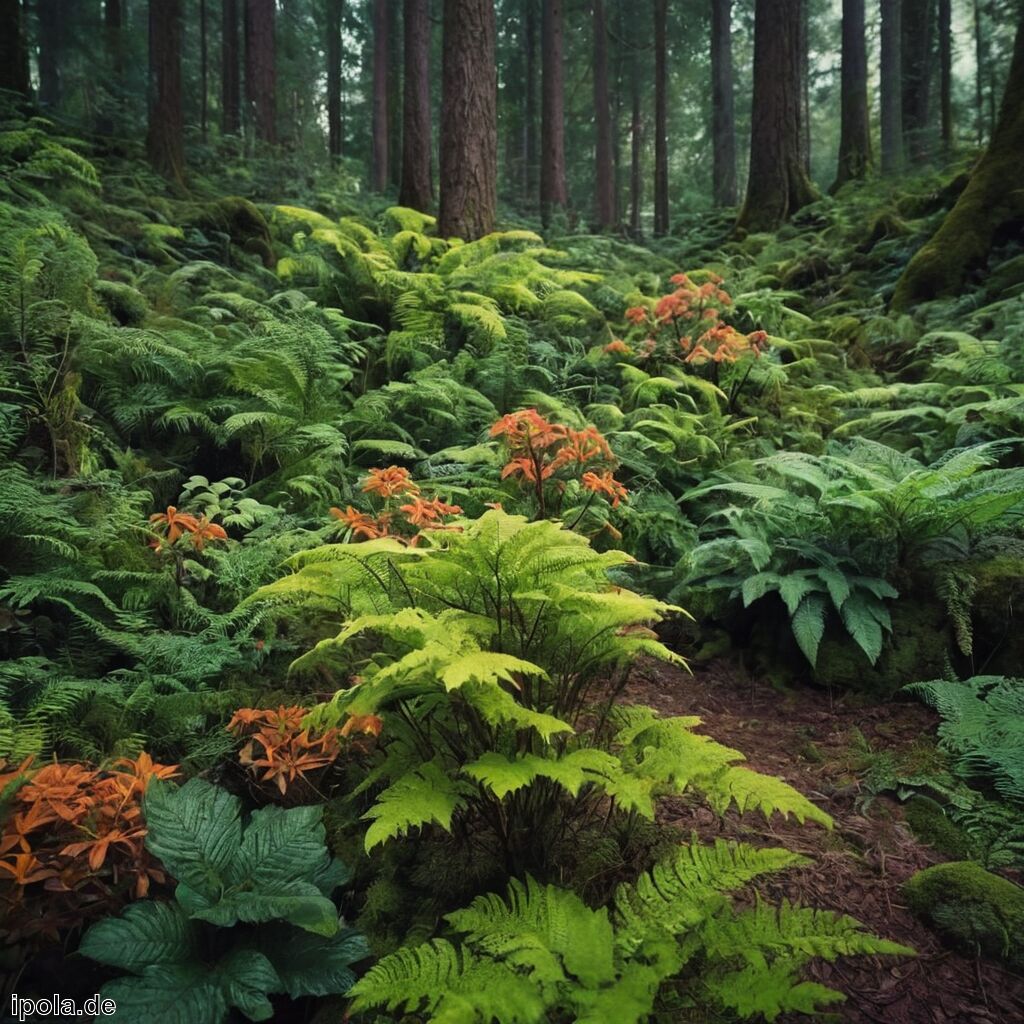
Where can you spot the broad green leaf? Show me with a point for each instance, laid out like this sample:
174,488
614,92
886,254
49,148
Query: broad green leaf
313,965
147,932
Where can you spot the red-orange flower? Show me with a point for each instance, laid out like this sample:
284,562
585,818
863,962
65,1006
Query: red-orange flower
206,531
175,523
423,512
361,524
605,483
388,482
618,347
636,314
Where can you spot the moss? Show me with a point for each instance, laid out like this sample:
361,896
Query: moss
931,826
999,590
717,645
971,908
126,305
887,225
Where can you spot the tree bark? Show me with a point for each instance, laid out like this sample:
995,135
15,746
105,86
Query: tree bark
394,94
805,85
917,47
855,133
891,102
979,73
723,115
604,170
332,52
230,80
165,144
946,73
261,69
417,189
469,120
660,118
553,191
778,184
381,52
13,48
203,70
636,150
530,167
986,207
50,40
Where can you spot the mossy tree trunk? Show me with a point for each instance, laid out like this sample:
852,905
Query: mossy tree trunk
992,201
660,118
778,184
381,54
855,133
918,26
165,144
604,168
261,68
723,115
230,78
13,51
553,191
332,52
891,104
417,189
469,120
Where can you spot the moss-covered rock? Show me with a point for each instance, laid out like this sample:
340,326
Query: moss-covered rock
123,302
931,826
238,219
971,908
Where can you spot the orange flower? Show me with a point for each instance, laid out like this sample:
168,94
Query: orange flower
360,523
388,482
175,522
371,725
205,530
527,429
528,468
679,280
605,484
425,513
698,354
617,346
636,314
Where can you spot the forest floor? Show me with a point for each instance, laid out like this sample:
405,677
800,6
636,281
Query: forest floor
825,747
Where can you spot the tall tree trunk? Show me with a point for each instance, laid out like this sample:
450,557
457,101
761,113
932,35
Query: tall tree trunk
165,144
946,73
335,9
979,72
553,191
230,81
636,151
604,169
379,175
203,70
530,166
469,120
986,207
394,95
261,68
917,48
723,116
113,37
13,48
855,133
417,188
777,184
49,60
660,118
805,85
891,101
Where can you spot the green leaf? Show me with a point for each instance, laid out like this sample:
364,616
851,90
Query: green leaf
195,830
487,667
297,902
245,977
170,994
863,626
796,587
809,625
756,586
281,845
313,965
147,932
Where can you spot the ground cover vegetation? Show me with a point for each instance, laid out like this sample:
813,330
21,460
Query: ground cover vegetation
336,534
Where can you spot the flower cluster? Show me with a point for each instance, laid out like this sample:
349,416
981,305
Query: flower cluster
284,750
687,326
174,525
403,522
78,833
540,451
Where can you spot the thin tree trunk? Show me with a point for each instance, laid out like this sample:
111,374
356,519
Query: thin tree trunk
394,94
417,188
379,174
469,120
553,191
636,142
604,170
660,118
805,85
891,102
530,163
723,116
917,48
203,70
985,208
946,73
260,68
165,139
50,42
335,9
979,73
855,133
13,48
230,80
777,184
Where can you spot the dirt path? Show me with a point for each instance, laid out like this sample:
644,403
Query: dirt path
860,867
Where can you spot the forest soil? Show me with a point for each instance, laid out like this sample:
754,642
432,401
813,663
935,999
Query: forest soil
823,747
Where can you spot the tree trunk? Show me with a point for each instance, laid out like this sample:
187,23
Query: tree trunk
469,120
394,95
13,48
855,133
332,52
891,102
50,40
979,72
113,34
917,48
203,70
778,184
946,73
553,191
530,166
987,207
165,145
805,85
260,68
636,139
381,52
230,81
417,188
723,116
604,169
660,119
